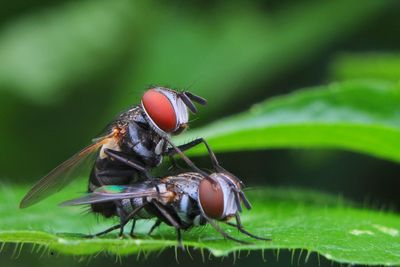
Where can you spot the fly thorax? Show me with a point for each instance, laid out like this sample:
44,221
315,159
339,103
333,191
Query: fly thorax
164,195
188,183
145,145
185,209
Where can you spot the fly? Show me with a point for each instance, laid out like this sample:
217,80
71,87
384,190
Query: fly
133,143
182,201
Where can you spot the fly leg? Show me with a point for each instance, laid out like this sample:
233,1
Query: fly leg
223,233
121,224
122,221
174,164
112,228
239,226
128,160
179,238
171,151
176,150
133,219
166,214
133,228
180,149
155,225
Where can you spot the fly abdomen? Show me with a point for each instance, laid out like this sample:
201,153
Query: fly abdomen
129,205
107,172
107,209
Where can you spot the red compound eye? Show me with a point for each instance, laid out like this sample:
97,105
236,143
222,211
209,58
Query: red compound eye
211,199
160,110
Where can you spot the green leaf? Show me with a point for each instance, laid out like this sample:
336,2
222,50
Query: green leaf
293,218
361,116
367,65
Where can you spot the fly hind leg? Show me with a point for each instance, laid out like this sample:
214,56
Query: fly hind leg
170,218
155,225
124,219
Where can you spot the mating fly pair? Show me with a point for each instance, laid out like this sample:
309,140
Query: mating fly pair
134,143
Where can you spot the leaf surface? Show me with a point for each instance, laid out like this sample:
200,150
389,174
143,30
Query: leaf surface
361,116
295,219
385,66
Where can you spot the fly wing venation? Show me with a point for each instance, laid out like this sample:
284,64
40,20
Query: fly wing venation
113,193
63,174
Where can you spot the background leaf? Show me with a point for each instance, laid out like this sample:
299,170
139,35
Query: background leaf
244,46
357,116
296,219
62,47
385,66
75,65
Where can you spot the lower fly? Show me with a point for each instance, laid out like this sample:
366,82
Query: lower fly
182,201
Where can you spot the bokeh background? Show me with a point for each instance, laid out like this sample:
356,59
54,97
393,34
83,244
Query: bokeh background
67,67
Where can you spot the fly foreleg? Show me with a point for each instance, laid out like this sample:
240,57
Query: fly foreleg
240,227
176,150
171,151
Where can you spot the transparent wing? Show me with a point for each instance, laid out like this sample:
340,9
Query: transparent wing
63,174
110,193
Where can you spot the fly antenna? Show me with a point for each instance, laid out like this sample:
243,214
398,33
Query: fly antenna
188,102
195,98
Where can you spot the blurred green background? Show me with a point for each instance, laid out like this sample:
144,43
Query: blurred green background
67,67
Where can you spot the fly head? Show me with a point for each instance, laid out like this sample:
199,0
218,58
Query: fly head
166,110
221,199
